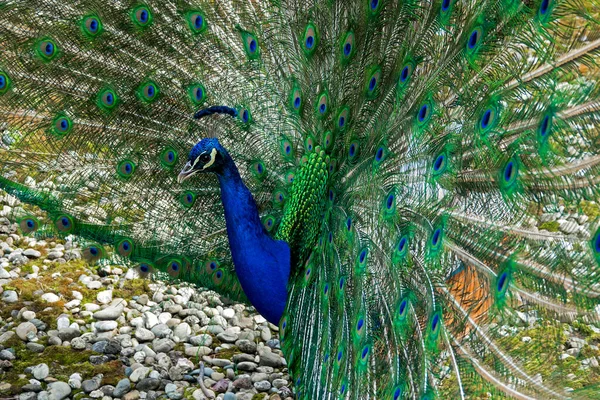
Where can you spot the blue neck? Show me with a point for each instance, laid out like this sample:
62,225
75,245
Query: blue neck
262,264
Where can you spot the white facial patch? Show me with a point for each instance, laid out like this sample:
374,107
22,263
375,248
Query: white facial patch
213,156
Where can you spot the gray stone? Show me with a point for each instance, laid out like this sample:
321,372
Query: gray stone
6,336
32,387
201,340
259,376
109,313
262,386
32,253
123,386
139,374
133,395
182,331
107,347
163,345
40,372
243,382
271,360
227,337
78,343
148,384
50,297
246,346
104,326
161,331
24,328
56,341
246,366
89,385
279,383
144,335
58,391
7,355
27,396
68,333
35,347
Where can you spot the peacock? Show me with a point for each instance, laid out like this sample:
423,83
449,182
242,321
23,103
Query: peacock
391,182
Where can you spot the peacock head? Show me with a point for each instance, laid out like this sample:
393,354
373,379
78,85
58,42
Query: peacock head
206,156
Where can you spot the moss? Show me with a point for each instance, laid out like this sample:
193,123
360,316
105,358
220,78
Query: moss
62,362
228,353
550,226
259,396
592,210
134,287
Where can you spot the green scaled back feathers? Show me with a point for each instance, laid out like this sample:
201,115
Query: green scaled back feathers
434,166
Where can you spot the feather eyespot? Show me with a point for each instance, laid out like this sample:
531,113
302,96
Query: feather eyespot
440,164
197,93
360,324
145,269
364,353
4,82
244,115
91,25
46,49
279,197
545,10
107,99
148,92
187,199
423,113
61,125
64,224
251,46
435,323
435,238
446,5
372,82
397,393
474,39
347,47
321,106
174,268
390,201
142,16
309,144
311,39
361,260
545,128
509,174
125,169
342,118
196,22
29,224
125,247
296,99
93,253
169,157
403,308
402,244
595,242
269,222
502,284
285,147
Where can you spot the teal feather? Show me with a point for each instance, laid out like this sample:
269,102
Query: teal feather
407,151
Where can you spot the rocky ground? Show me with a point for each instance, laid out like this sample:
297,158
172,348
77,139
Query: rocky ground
70,330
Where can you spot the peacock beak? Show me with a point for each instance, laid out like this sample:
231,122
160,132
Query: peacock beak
186,172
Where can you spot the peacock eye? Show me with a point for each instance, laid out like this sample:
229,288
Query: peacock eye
205,158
